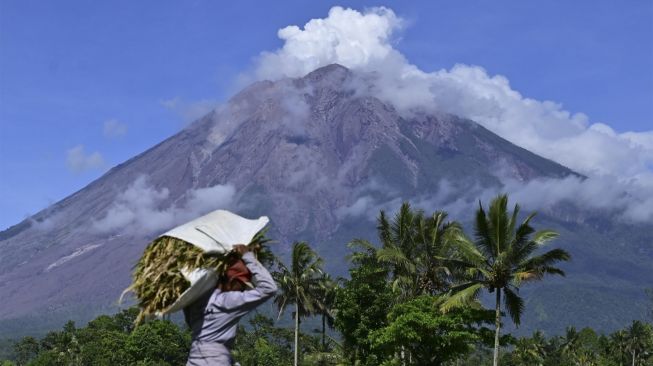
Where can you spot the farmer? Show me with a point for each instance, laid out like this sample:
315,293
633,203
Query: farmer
214,317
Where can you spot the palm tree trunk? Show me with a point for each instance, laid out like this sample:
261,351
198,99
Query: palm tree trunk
633,358
497,324
323,333
296,335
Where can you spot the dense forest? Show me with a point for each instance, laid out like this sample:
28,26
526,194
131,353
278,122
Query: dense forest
411,299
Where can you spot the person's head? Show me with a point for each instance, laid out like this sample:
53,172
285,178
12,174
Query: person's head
237,278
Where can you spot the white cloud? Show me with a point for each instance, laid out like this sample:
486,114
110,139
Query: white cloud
48,223
79,161
140,208
611,197
114,128
204,200
371,197
190,111
362,206
362,41
368,207
629,202
346,36
619,165
297,110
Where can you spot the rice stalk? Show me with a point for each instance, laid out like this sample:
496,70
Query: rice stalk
157,278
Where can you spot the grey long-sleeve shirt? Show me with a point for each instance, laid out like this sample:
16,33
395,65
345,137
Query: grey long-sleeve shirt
214,317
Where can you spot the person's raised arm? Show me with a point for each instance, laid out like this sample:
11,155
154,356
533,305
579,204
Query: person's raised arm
263,279
265,287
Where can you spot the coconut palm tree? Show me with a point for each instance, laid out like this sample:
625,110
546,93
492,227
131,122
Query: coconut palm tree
570,342
619,345
530,351
413,248
299,285
325,299
639,341
500,258
577,346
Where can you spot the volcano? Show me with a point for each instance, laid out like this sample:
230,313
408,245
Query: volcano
320,157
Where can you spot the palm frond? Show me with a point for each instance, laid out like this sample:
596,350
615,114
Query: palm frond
499,224
525,276
522,236
547,259
544,236
461,295
467,250
514,305
553,270
403,228
396,257
483,237
383,227
525,229
513,220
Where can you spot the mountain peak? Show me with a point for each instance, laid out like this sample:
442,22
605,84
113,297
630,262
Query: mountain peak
331,73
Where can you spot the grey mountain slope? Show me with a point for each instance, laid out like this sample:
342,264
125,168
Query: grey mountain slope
319,158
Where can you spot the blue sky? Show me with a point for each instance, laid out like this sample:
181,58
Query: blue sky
69,67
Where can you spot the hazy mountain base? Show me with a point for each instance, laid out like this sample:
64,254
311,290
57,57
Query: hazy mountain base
604,297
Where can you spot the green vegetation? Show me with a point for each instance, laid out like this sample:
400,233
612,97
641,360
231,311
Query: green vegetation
500,259
107,341
299,285
410,300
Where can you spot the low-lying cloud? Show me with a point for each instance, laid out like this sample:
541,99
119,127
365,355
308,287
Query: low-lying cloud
141,209
190,111
78,161
600,194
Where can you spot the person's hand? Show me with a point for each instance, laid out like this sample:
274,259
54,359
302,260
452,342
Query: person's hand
241,248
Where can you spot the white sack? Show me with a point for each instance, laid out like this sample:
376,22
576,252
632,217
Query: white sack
216,232
202,281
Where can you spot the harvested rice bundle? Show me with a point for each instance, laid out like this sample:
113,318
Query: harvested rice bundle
184,263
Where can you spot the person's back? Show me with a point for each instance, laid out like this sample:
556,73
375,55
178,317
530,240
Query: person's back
213,318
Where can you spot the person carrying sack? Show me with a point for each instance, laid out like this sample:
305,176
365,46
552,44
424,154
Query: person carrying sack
213,318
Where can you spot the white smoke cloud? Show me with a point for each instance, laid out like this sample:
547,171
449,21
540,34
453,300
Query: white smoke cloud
203,200
362,41
369,207
138,210
46,224
346,37
603,194
619,165
114,128
373,196
190,111
629,201
297,110
79,161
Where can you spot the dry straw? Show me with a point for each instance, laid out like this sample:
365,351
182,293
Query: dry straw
157,279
